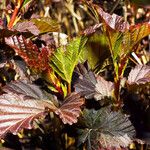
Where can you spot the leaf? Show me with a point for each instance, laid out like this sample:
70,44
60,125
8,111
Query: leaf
106,129
24,102
113,21
138,32
26,2
46,25
103,88
27,26
70,109
96,50
85,85
64,60
25,88
139,75
36,58
17,111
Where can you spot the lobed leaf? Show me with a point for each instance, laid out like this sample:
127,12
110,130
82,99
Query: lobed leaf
113,21
70,109
20,106
24,102
103,88
35,58
85,84
25,88
105,128
139,75
138,32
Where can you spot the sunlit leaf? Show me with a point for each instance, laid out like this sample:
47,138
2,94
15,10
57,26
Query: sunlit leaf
70,109
66,58
138,32
105,128
113,21
20,106
103,88
46,25
23,102
139,75
36,58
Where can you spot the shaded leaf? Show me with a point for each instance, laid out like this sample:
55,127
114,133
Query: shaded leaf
36,58
25,88
106,129
65,59
139,75
103,88
86,82
70,109
96,50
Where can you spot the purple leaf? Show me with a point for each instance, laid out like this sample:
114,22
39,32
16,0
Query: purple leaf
139,75
70,109
103,88
22,103
17,113
113,21
27,26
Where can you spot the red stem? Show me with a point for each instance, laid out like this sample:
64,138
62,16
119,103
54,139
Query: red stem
14,15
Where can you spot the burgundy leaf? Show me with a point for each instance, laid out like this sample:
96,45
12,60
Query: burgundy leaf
24,87
113,21
70,109
36,58
139,75
17,113
103,88
85,84
22,103
92,29
27,26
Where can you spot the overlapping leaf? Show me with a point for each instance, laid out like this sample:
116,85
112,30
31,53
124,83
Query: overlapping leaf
35,58
20,106
37,26
113,21
24,102
139,75
103,88
70,109
106,129
89,86
86,83
27,26
65,59
46,25
121,37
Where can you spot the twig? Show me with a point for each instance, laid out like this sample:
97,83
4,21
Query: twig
115,6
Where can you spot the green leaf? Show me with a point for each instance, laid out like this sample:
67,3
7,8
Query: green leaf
138,32
96,50
26,2
46,25
105,128
66,58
